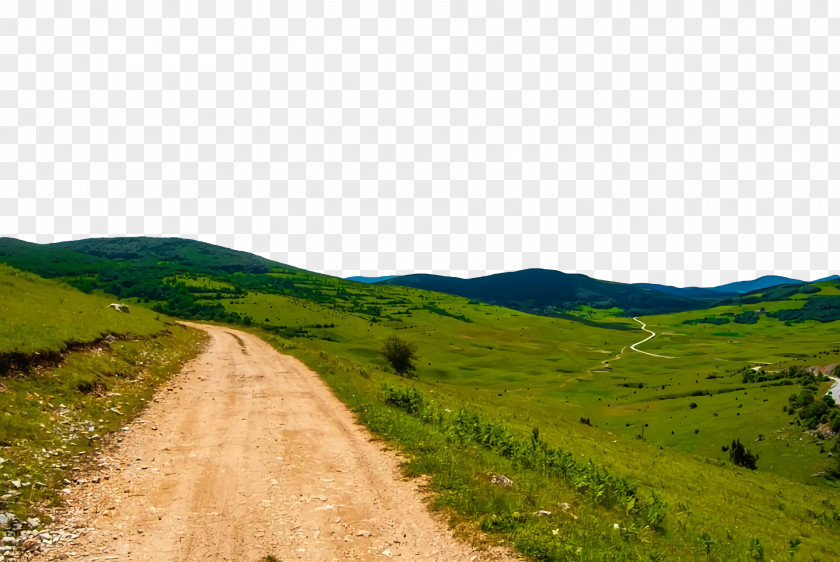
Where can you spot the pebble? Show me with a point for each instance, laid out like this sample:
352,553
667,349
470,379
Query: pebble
31,544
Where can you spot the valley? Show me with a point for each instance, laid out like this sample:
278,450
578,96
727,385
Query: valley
627,419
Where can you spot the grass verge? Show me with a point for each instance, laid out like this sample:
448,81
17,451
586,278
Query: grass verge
601,497
52,418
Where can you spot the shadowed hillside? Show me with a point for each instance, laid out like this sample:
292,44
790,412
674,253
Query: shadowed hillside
542,291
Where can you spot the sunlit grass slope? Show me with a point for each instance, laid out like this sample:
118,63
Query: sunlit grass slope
63,387
46,316
561,405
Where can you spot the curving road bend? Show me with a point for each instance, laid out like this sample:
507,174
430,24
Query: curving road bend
650,337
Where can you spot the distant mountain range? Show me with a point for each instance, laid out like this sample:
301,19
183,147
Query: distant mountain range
363,279
736,288
543,291
135,267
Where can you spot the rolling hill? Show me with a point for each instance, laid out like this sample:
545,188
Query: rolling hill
542,291
689,292
363,279
765,282
623,427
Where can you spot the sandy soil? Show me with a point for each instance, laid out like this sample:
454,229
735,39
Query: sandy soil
247,453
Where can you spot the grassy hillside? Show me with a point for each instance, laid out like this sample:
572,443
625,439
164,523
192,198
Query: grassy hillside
563,406
71,370
42,316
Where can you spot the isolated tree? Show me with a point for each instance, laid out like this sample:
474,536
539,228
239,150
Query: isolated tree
401,355
741,456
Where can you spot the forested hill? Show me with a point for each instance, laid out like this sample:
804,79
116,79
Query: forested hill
542,291
150,270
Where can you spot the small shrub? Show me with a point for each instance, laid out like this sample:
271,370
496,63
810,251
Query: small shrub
406,399
401,355
741,456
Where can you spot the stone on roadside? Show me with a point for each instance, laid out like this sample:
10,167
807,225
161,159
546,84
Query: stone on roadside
501,480
31,545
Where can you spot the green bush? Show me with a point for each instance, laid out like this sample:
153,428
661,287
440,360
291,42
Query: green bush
406,399
401,355
741,456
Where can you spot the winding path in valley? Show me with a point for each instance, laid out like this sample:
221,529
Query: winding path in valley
650,337
606,362
246,454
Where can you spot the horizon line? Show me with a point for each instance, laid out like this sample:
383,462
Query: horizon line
345,275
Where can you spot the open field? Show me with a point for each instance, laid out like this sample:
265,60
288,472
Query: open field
499,364
541,368
562,405
46,316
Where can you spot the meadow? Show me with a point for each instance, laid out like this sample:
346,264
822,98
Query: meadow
627,451
38,315
527,374
538,369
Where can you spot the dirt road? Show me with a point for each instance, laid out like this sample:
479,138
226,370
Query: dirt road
248,454
650,337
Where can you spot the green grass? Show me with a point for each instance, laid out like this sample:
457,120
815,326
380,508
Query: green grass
658,424
545,368
54,414
527,371
702,501
38,315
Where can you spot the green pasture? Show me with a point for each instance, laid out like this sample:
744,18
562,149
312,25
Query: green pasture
657,424
45,316
553,371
